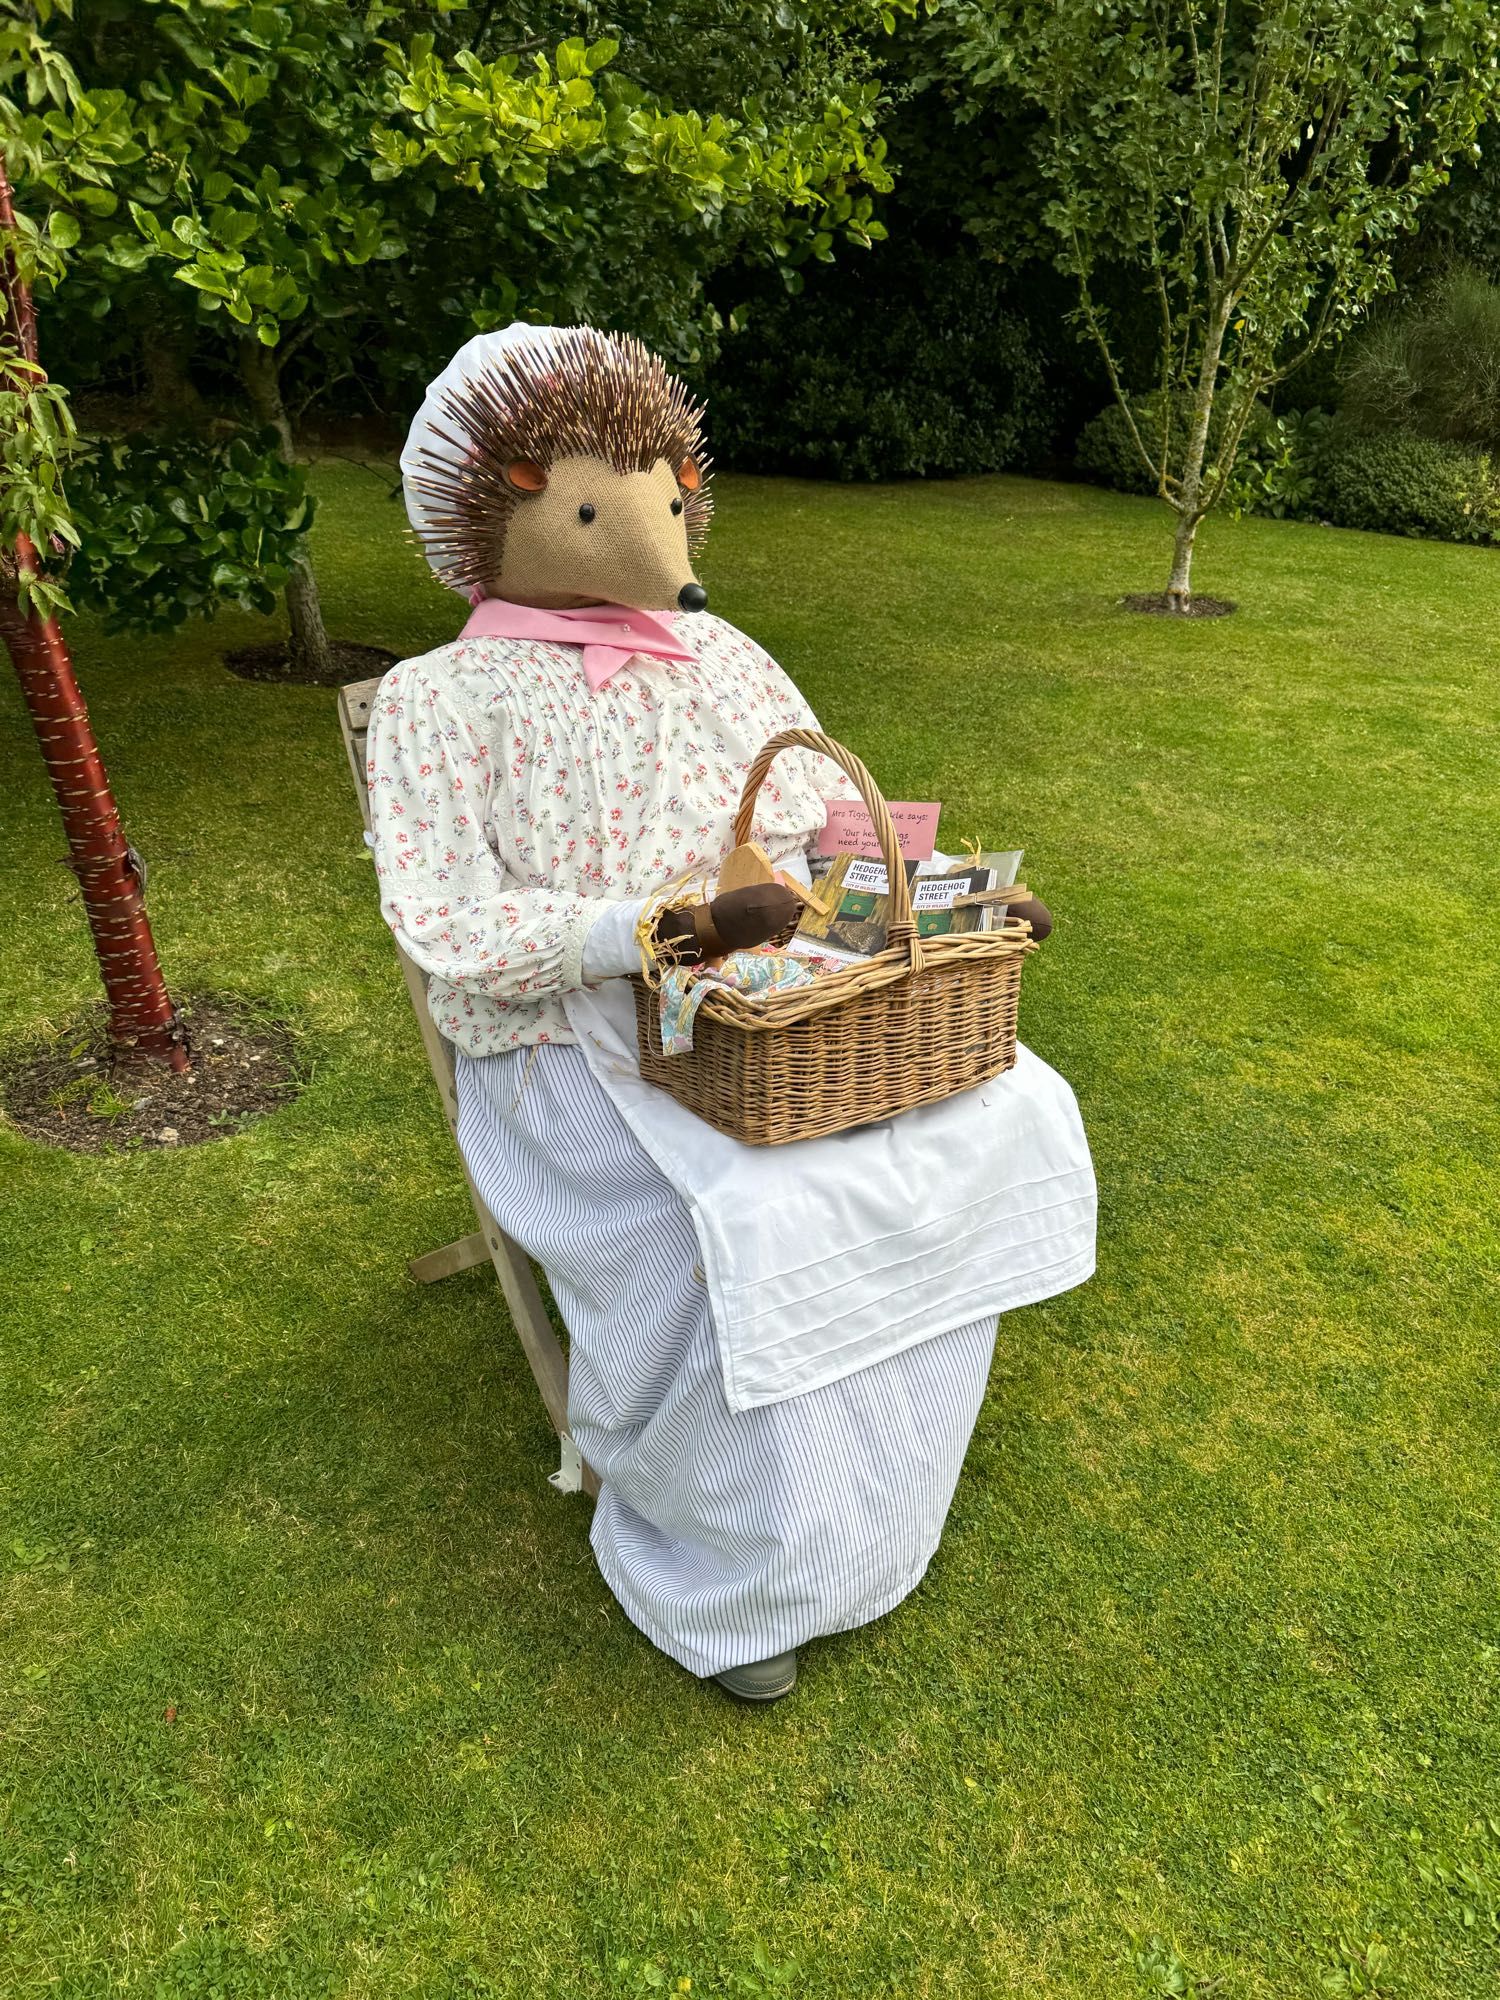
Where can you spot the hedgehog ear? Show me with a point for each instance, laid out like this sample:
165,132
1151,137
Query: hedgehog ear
689,478
526,476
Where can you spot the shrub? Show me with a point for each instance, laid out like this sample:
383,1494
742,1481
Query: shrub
1106,450
1275,468
172,524
853,379
1280,467
1412,486
1432,368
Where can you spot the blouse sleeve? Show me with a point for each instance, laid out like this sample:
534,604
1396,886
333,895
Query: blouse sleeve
443,890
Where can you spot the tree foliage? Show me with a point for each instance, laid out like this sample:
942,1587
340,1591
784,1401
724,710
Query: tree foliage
48,138
172,524
288,149
286,194
38,439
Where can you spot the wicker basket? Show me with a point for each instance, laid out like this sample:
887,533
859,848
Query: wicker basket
917,1022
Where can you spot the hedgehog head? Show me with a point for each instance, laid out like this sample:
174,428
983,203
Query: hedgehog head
564,471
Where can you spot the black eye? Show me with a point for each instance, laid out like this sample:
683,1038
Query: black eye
586,512
676,506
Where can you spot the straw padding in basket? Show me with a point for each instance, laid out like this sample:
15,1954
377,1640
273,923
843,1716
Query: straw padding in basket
915,1023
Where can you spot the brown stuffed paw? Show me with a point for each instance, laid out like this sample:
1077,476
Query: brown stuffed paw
1036,913
731,922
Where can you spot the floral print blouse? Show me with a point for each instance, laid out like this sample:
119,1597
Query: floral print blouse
511,805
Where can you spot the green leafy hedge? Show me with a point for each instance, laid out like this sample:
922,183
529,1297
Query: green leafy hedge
171,525
851,379
1412,486
1106,450
1279,468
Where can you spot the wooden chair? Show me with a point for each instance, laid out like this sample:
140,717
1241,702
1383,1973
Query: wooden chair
542,1348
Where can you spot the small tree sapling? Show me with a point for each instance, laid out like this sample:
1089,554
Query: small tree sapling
1255,160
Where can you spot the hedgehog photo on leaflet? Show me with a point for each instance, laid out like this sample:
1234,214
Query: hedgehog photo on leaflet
541,789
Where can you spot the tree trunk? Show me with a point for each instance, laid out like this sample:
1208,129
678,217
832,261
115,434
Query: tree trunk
142,1019
170,390
1180,587
1189,512
311,647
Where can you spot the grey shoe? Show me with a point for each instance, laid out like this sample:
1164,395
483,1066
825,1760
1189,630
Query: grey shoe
762,1680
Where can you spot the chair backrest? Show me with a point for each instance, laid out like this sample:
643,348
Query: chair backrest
354,722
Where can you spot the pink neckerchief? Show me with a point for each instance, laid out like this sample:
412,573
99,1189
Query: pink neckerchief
610,634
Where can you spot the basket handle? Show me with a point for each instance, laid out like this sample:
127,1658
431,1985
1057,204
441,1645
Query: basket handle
902,928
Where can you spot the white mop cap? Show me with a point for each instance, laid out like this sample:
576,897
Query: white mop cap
474,359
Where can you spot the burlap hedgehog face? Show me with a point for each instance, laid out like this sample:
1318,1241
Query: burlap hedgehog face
559,469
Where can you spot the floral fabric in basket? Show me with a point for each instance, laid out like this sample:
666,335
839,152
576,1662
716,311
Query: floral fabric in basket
685,988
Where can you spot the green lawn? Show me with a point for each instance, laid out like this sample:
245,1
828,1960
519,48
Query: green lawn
1200,1694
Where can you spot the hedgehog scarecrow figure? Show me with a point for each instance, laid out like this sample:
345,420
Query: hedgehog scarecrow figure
535,786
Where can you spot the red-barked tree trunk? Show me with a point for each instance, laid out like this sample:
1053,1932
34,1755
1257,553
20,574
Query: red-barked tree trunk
142,1019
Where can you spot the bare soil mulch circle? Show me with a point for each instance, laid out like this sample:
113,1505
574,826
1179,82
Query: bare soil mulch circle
1157,605
76,1092
275,663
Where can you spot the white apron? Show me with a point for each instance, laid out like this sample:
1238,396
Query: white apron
827,1255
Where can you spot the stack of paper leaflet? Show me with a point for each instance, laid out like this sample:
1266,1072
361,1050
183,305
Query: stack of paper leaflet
849,913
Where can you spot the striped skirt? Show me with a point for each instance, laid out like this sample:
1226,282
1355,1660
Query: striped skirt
727,1537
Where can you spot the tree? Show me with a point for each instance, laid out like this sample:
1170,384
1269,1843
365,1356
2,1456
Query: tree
320,181
236,180
1256,160
35,433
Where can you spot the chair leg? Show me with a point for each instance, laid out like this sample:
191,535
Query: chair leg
574,1474
451,1259
541,1346
568,1477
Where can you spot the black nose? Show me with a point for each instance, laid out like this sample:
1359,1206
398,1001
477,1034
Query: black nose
692,597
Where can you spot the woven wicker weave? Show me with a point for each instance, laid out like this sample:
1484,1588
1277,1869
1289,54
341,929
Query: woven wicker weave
917,1022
